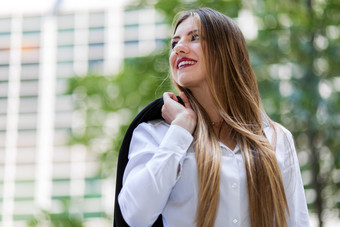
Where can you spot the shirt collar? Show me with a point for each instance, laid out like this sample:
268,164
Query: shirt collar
265,122
226,148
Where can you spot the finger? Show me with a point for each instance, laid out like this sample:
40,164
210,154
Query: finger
173,96
164,114
166,97
169,97
185,100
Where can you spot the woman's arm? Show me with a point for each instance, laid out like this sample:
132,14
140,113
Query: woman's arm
156,154
298,211
155,158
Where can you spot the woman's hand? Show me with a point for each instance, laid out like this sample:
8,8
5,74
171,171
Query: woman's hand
175,113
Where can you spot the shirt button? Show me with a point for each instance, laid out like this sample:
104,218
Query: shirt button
234,185
235,221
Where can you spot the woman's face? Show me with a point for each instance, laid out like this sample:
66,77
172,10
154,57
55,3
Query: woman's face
186,59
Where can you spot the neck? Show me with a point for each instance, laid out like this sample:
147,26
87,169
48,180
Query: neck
204,97
221,130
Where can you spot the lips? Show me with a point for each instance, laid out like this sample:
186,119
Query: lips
185,62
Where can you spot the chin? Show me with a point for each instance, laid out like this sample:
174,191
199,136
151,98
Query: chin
183,84
188,82
186,86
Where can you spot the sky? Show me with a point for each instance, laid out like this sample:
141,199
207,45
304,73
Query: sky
41,6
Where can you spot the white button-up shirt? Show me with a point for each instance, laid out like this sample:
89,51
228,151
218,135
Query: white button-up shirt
161,178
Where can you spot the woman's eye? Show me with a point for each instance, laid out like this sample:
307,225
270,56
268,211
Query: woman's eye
173,44
195,37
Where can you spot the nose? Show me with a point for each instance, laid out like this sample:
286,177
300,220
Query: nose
181,47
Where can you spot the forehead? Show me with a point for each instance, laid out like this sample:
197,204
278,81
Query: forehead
188,25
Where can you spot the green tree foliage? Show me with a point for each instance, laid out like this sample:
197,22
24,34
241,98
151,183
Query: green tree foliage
295,53
65,219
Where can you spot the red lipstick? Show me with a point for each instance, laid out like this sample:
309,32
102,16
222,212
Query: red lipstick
186,62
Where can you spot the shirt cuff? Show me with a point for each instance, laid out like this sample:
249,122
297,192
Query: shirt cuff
177,139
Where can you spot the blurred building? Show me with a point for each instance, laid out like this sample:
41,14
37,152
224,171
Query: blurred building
43,44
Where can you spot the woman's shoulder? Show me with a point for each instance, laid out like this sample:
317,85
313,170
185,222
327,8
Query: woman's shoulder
156,132
151,130
284,146
275,131
280,138
283,133
153,126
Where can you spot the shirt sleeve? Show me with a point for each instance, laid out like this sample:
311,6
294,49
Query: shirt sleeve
156,154
295,195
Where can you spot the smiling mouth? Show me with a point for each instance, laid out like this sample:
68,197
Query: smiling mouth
184,64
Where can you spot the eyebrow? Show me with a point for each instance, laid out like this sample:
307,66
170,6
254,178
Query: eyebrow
189,33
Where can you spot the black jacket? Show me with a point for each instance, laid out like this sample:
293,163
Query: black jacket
151,112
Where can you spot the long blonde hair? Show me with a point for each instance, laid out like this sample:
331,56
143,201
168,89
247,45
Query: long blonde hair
233,87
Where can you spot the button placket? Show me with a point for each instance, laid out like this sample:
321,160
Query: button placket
235,182
231,184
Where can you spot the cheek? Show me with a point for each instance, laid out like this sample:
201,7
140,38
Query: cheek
172,61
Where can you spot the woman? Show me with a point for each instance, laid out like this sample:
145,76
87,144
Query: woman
217,160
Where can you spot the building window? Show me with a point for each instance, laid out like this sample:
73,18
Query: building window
96,66
61,86
5,39
26,172
65,69
64,103
65,53
65,21
131,32
30,71
30,39
96,19
29,88
30,55
3,105
26,155
3,122
4,56
131,48
24,190
3,89
26,138
31,23
61,137
27,121
131,17
61,187
4,72
96,51
97,35
63,120
61,171
28,105
2,145
5,24
93,187
23,209
65,37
